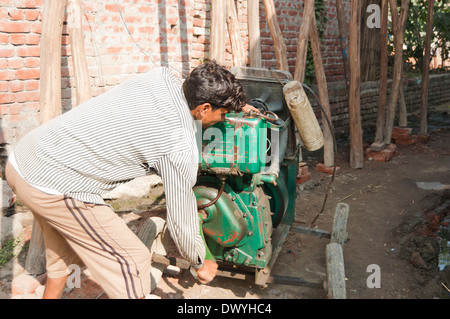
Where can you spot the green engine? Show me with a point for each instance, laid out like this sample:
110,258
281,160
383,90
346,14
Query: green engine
248,170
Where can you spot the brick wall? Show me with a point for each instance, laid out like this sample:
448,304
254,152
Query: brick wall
174,31
438,95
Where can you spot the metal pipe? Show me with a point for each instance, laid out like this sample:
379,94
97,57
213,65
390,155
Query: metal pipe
215,199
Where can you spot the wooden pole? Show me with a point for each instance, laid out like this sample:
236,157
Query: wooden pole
254,34
426,70
356,148
237,48
50,82
402,112
76,39
277,36
323,94
218,9
399,24
35,263
381,115
50,87
343,37
302,44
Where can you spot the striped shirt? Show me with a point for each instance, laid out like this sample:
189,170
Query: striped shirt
143,126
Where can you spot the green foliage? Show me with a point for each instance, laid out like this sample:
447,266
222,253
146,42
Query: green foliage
416,30
320,8
7,250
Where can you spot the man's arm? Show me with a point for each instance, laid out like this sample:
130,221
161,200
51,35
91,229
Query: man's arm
179,174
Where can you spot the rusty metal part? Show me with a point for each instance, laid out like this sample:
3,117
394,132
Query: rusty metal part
273,118
311,231
215,199
273,279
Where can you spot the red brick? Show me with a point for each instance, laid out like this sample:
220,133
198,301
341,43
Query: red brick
409,140
6,75
36,27
321,168
423,138
402,136
16,14
398,136
32,62
382,156
7,98
113,8
28,3
6,53
4,86
32,39
16,86
27,96
4,38
302,168
17,39
15,109
114,50
15,63
27,74
303,178
32,15
31,85
3,11
29,51
15,27
402,130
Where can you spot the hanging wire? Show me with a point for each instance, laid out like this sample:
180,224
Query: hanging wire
328,120
334,152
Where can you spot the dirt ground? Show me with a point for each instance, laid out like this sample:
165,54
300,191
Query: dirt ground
392,224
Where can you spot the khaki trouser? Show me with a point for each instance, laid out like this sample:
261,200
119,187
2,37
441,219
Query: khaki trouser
81,233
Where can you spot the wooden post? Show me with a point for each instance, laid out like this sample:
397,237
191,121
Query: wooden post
254,34
356,148
237,48
402,111
426,69
277,36
76,39
381,115
302,44
323,94
50,87
50,82
399,24
218,9
343,37
35,263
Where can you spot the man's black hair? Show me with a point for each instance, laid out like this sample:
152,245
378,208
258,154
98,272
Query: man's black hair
212,83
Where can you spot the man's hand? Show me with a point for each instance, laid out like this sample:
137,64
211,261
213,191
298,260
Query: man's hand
247,108
207,272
